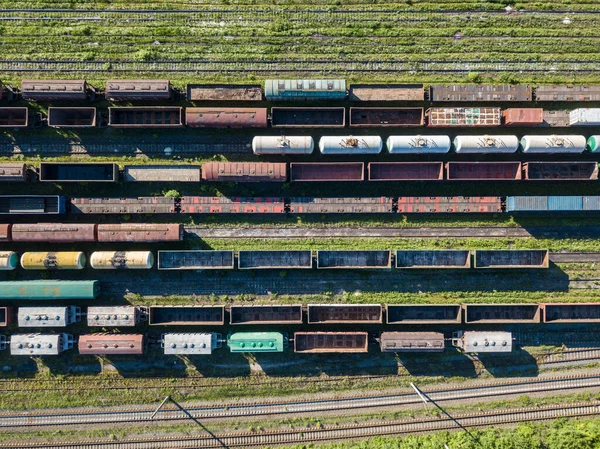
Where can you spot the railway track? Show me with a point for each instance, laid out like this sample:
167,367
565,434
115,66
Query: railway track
237,410
331,433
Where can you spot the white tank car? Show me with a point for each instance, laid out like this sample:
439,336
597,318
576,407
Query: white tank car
418,144
283,145
553,144
486,144
350,144
8,260
115,260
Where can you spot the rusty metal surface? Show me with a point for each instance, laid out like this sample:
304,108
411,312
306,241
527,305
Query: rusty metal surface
5,232
224,92
376,205
423,314
449,204
342,259
72,117
234,205
74,172
14,117
561,171
308,117
466,117
523,258
556,118
571,313
327,171
162,173
226,117
412,342
140,205
127,90
275,259
567,93
505,313
480,92
244,171
383,117
6,316
406,171
258,314
336,342
54,232
523,116
195,260
186,315
13,172
145,117
140,232
43,90
344,313
481,171
387,92
110,344
433,259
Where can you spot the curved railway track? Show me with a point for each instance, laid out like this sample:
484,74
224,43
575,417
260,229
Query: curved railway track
331,433
236,410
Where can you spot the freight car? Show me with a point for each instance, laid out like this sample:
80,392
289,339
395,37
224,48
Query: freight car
49,290
59,316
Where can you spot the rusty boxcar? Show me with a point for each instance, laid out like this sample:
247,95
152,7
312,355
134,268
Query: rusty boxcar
145,117
449,204
111,344
140,232
226,117
244,171
140,205
234,205
331,342
567,93
375,205
59,90
135,90
54,232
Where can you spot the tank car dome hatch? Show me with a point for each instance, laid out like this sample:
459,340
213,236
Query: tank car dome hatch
418,144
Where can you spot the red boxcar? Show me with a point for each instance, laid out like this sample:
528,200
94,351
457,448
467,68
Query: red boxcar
449,204
244,171
54,232
222,205
111,344
138,232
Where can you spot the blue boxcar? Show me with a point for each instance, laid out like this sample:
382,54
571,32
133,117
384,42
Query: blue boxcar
305,89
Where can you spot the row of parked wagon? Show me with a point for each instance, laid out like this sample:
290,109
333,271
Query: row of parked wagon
277,172
278,259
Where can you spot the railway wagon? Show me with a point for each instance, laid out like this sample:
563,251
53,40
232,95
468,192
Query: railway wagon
412,342
140,232
145,117
463,117
433,259
423,314
561,171
6,316
32,204
523,116
283,145
111,344
359,259
571,313
480,92
233,205
449,204
54,90
406,171
59,316
331,342
350,145
14,117
386,92
593,143
567,93
486,144
72,117
78,172
13,173
8,260
54,232
138,90
64,260
482,342
327,171
265,314
554,144
501,313
224,92
186,315
310,89
376,205
116,316
162,173
484,171
244,171
512,258
418,144
203,343
139,205
40,344
257,342
386,117
282,117
552,203
226,117
122,260
49,290
585,117
269,260
195,260
344,314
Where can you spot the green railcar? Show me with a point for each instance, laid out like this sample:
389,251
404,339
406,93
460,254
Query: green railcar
311,89
46,289
593,143
257,342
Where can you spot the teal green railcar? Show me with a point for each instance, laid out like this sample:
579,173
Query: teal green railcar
329,89
47,289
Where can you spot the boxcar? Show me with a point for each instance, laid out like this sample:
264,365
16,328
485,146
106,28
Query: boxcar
412,342
59,90
244,171
135,90
113,316
54,232
40,344
111,344
226,117
331,342
140,232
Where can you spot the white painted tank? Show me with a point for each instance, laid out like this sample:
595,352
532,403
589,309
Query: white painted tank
350,144
8,260
553,144
486,144
115,260
418,144
283,145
